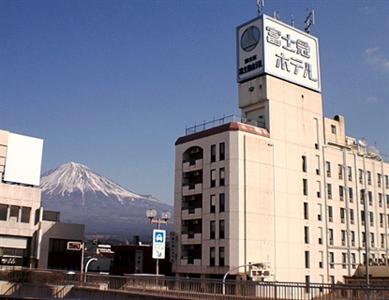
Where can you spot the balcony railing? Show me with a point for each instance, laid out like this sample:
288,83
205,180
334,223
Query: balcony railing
221,121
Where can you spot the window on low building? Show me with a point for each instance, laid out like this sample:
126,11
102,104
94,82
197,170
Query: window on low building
221,256
14,213
221,229
213,178
26,212
3,212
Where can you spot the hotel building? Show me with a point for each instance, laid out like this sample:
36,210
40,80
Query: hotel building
282,185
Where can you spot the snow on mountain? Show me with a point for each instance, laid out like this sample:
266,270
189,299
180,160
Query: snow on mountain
75,177
85,197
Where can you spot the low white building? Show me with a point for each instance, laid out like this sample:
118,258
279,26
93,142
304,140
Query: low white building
30,236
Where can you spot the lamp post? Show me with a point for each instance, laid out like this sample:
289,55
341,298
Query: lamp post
151,214
234,269
87,265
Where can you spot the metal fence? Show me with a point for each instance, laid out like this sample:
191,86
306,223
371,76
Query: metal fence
192,288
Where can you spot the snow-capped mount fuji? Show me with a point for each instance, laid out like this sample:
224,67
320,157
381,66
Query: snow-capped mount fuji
105,207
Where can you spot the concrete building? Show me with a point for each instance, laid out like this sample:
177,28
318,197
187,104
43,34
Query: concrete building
29,235
282,185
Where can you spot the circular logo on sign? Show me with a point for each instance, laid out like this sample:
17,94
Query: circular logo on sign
250,38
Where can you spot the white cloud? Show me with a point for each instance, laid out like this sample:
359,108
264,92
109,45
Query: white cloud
376,59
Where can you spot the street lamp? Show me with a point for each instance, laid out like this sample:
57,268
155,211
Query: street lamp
87,265
151,214
234,269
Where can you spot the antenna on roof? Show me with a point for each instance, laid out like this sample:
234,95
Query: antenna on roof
260,5
292,21
276,15
309,20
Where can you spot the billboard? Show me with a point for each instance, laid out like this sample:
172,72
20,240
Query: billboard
23,159
159,241
268,46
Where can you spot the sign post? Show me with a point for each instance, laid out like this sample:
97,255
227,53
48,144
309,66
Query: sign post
159,241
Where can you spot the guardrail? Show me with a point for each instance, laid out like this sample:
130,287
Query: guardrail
196,288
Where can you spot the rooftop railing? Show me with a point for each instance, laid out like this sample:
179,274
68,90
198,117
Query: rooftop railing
221,121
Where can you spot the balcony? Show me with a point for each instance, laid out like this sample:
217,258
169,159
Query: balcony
190,238
192,189
191,213
192,165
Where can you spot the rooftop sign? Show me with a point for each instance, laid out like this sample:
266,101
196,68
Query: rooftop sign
268,46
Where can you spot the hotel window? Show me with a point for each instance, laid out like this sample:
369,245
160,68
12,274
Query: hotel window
213,178
341,193
387,201
379,199
320,239
342,215
221,256
321,259
306,213
362,217
332,260
370,195
333,129
319,212
340,171
212,256
212,203
372,243
368,177
222,151
221,177
330,215
352,238
304,163
371,217
318,192
3,212
212,230
344,260
221,202
351,216
305,187
362,196
213,153
318,165
343,235
329,190
350,195
221,229
379,179
331,236
387,181
360,176
350,173
381,220
353,260
26,212
382,240
328,168
306,234
307,262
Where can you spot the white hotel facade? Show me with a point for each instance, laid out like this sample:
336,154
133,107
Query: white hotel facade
286,187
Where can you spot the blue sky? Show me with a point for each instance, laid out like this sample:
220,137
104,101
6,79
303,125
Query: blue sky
113,83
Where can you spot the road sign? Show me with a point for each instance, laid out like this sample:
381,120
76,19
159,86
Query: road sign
74,246
159,240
